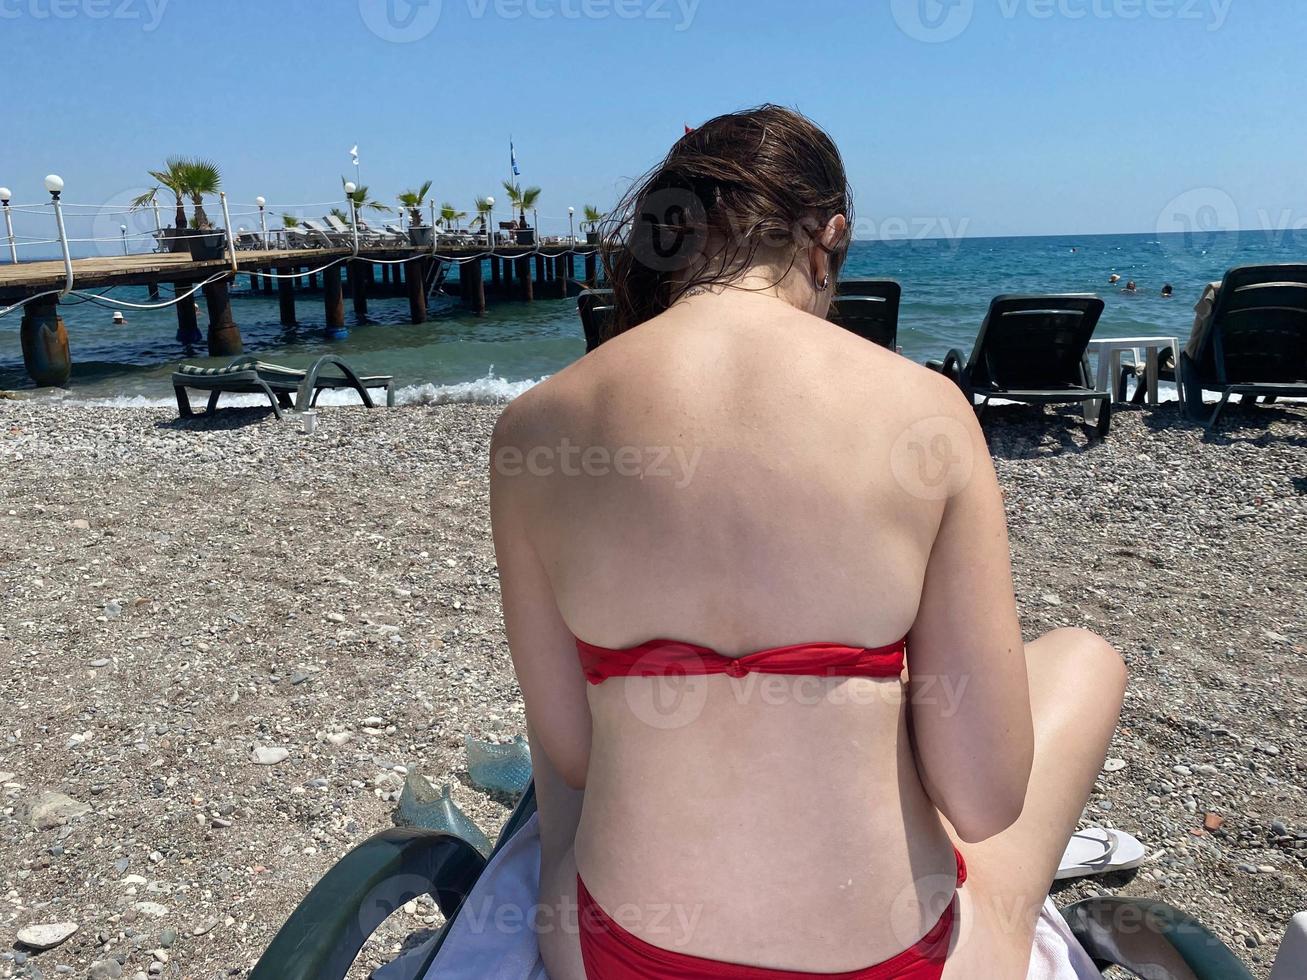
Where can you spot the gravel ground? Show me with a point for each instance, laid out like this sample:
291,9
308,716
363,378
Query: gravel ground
178,598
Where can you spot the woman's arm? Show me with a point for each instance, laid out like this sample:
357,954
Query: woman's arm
966,660
543,648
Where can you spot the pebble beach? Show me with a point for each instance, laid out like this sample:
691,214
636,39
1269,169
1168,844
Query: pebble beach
226,643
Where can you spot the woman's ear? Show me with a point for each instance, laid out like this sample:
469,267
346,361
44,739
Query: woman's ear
825,244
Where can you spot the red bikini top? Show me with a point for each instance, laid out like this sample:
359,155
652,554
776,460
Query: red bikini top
660,658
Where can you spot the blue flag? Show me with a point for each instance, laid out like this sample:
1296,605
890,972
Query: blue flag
512,156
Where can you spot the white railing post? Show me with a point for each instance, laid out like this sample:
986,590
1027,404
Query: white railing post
55,185
231,239
9,225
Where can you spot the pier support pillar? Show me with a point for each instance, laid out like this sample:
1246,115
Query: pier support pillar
358,289
506,283
385,280
188,327
286,299
571,265
333,301
154,292
313,280
267,283
590,270
540,272
560,277
496,283
417,292
45,343
524,275
472,285
224,335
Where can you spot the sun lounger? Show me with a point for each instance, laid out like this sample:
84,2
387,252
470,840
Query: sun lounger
1255,342
1032,349
596,309
284,387
324,235
868,308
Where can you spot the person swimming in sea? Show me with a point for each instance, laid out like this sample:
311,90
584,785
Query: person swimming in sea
1113,279
1168,291
1131,287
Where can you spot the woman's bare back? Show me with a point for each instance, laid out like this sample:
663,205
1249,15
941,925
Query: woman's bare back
742,475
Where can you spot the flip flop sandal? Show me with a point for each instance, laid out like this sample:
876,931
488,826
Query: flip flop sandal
1097,850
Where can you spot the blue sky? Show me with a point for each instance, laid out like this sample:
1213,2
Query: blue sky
985,117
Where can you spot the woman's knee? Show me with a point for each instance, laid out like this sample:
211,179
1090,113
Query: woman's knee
1082,654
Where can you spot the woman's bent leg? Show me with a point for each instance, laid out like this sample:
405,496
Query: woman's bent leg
1077,681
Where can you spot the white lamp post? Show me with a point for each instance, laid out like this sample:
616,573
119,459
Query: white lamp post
5,195
55,185
490,223
571,225
263,219
123,229
350,188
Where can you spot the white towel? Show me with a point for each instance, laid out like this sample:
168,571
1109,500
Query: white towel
1057,955
482,944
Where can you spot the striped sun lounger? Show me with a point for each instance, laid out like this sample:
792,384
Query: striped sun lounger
284,387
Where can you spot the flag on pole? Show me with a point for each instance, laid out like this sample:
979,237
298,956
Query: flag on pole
512,158
354,154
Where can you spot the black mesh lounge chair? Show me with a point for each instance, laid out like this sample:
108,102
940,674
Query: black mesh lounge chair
1032,349
284,387
1256,343
868,308
326,931
596,309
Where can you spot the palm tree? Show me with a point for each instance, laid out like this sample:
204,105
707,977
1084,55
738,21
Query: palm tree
172,176
451,215
200,177
523,200
290,221
592,217
483,212
413,200
340,215
363,201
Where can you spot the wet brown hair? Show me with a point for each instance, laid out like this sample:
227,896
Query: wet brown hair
764,178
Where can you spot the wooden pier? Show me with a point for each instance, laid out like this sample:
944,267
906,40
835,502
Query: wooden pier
517,272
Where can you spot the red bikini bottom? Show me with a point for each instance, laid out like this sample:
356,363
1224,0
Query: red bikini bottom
609,952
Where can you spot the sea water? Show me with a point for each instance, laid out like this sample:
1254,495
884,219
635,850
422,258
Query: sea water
947,285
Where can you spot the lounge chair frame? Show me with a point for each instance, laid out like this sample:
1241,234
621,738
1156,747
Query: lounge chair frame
596,309
868,308
1256,344
976,374
284,387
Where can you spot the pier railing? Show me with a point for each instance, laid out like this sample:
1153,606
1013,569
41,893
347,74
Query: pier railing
149,233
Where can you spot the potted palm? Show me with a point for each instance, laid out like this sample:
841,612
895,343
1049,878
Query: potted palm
484,208
523,200
419,233
591,223
171,178
200,177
